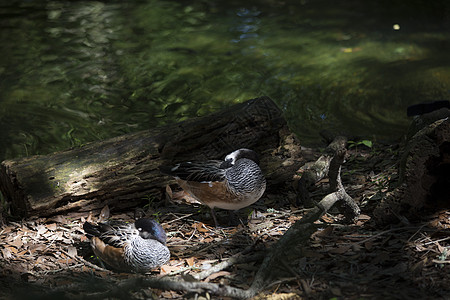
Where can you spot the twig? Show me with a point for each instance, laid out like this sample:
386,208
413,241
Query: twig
192,235
418,230
228,263
40,273
437,241
441,261
81,259
181,270
180,218
280,281
282,214
92,265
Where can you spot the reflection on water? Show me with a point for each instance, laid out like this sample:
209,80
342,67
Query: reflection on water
247,24
78,71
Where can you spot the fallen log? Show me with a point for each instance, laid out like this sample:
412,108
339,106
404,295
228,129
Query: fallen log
123,171
424,171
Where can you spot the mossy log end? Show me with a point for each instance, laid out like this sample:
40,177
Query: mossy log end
424,176
123,171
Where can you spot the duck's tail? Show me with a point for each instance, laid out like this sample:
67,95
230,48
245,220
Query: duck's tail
91,230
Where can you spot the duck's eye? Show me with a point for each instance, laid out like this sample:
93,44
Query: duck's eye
228,163
139,229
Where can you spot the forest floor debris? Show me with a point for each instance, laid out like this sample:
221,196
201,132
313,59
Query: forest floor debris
52,256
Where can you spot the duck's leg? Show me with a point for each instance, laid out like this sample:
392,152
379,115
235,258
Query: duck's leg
213,214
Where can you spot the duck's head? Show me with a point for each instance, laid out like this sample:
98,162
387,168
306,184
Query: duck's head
241,153
150,229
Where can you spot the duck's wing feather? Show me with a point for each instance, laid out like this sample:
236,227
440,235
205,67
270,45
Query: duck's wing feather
113,256
114,233
205,171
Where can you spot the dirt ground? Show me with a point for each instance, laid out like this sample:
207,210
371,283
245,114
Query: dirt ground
50,258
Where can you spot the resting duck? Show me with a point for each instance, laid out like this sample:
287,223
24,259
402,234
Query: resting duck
138,247
231,184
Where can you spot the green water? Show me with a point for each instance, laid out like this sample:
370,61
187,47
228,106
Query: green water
79,71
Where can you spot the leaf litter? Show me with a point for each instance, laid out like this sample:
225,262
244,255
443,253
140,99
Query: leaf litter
352,261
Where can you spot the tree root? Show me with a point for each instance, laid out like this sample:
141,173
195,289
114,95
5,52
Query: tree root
290,244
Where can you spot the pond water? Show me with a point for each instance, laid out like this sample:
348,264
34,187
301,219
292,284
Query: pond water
79,71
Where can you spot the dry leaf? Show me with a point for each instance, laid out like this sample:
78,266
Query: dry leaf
104,214
85,269
356,247
103,274
89,218
169,295
57,219
7,230
363,217
6,253
200,227
66,241
66,261
326,232
41,229
208,240
190,261
440,248
168,269
339,250
12,250
169,193
327,219
51,226
281,296
72,251
435,223
221,251
40,259
35,247
417,267
16,242
368,245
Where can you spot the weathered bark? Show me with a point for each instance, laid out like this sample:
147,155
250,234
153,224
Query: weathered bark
329,165
122,171
424,174
314,172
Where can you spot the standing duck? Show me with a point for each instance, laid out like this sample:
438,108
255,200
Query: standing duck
231,184
138,247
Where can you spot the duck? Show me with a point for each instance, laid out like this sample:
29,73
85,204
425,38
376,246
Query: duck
137,247
231,184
